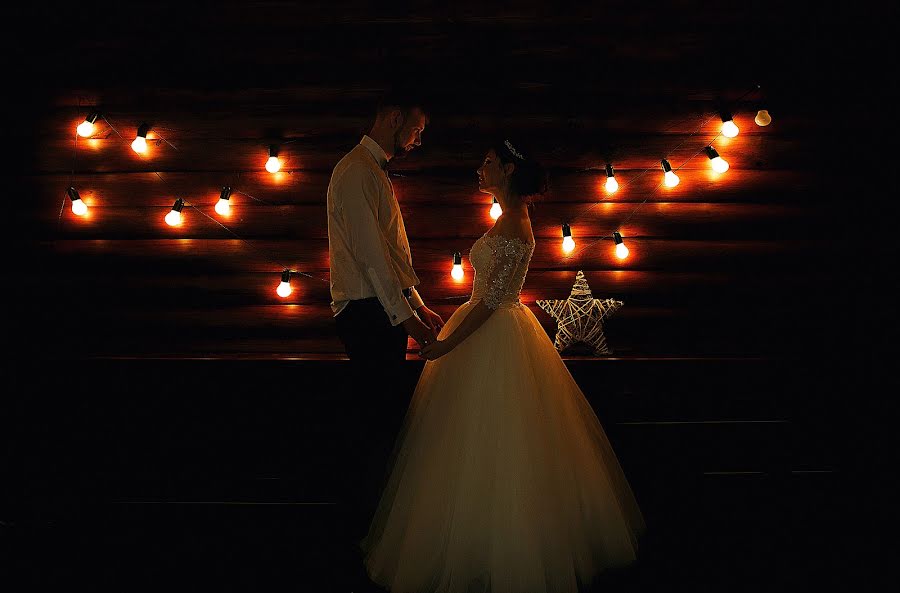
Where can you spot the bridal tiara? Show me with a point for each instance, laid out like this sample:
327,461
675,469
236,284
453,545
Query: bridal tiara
514,152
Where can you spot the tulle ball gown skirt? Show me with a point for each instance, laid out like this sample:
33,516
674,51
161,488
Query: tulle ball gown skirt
502,478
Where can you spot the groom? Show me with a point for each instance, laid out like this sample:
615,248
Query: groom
375,301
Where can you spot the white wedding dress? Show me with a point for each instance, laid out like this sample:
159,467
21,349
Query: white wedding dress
502,478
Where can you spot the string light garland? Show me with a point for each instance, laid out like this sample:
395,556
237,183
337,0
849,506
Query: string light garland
284,289
79,208
729,128
457,271
611,184
621,250
568,243
223,206
86,128
140,142
496,210
274,163
718,164
173,218
669,176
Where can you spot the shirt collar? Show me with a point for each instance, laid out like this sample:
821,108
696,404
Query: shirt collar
376,150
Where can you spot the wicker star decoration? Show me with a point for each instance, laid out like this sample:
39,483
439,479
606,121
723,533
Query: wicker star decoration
580,317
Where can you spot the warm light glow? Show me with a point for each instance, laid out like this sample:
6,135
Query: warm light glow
763,118
496,210
284,289
671,179
729,129
223,207
719,164
457,272
273,165
621,251
568,244
611,185
79,208
85,129
173,218
139,145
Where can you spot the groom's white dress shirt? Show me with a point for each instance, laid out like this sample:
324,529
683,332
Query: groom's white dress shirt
368,251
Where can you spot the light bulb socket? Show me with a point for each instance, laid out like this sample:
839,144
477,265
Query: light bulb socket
273,150
142,131
494,200
726,116
92,117
179,204
666,166
609,171
73,194
286,276
457,259
617,237
226,193
567,232
711,152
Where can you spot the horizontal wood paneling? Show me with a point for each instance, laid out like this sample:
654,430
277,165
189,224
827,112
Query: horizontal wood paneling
450,187
320,153
313,111
433,255
133,287
429,221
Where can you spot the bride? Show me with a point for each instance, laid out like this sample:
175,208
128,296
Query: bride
502,478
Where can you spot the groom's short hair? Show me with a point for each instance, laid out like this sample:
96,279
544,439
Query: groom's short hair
404,99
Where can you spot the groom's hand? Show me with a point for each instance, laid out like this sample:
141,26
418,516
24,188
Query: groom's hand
431,319
420,332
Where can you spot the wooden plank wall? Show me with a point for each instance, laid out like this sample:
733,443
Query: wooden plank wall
720,265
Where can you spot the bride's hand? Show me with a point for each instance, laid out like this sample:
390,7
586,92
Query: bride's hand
435,350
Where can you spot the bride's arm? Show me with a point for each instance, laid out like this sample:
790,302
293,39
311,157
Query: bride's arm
476,317
505,259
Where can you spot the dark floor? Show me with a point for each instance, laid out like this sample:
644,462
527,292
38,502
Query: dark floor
131,487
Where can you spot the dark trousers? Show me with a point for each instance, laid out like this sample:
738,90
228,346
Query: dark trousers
375,406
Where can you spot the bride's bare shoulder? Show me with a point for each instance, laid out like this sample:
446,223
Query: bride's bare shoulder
513,227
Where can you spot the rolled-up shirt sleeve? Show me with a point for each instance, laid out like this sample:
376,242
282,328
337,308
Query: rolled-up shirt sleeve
358,190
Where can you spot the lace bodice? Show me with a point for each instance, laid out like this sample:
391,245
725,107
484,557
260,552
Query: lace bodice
500,264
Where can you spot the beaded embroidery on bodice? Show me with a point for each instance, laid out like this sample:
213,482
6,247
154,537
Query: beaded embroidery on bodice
500,264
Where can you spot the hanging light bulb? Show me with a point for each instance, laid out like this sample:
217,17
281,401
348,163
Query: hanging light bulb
86,128
273,165
140,142
763,118
729,129
719,165
568,242
223,206
621,250
173,218
79,208
611,184
670,178
284,289
496,210
457,271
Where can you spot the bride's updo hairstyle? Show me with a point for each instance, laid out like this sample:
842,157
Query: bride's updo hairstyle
528,180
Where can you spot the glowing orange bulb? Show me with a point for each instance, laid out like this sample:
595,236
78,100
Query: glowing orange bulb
284,289
496,210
